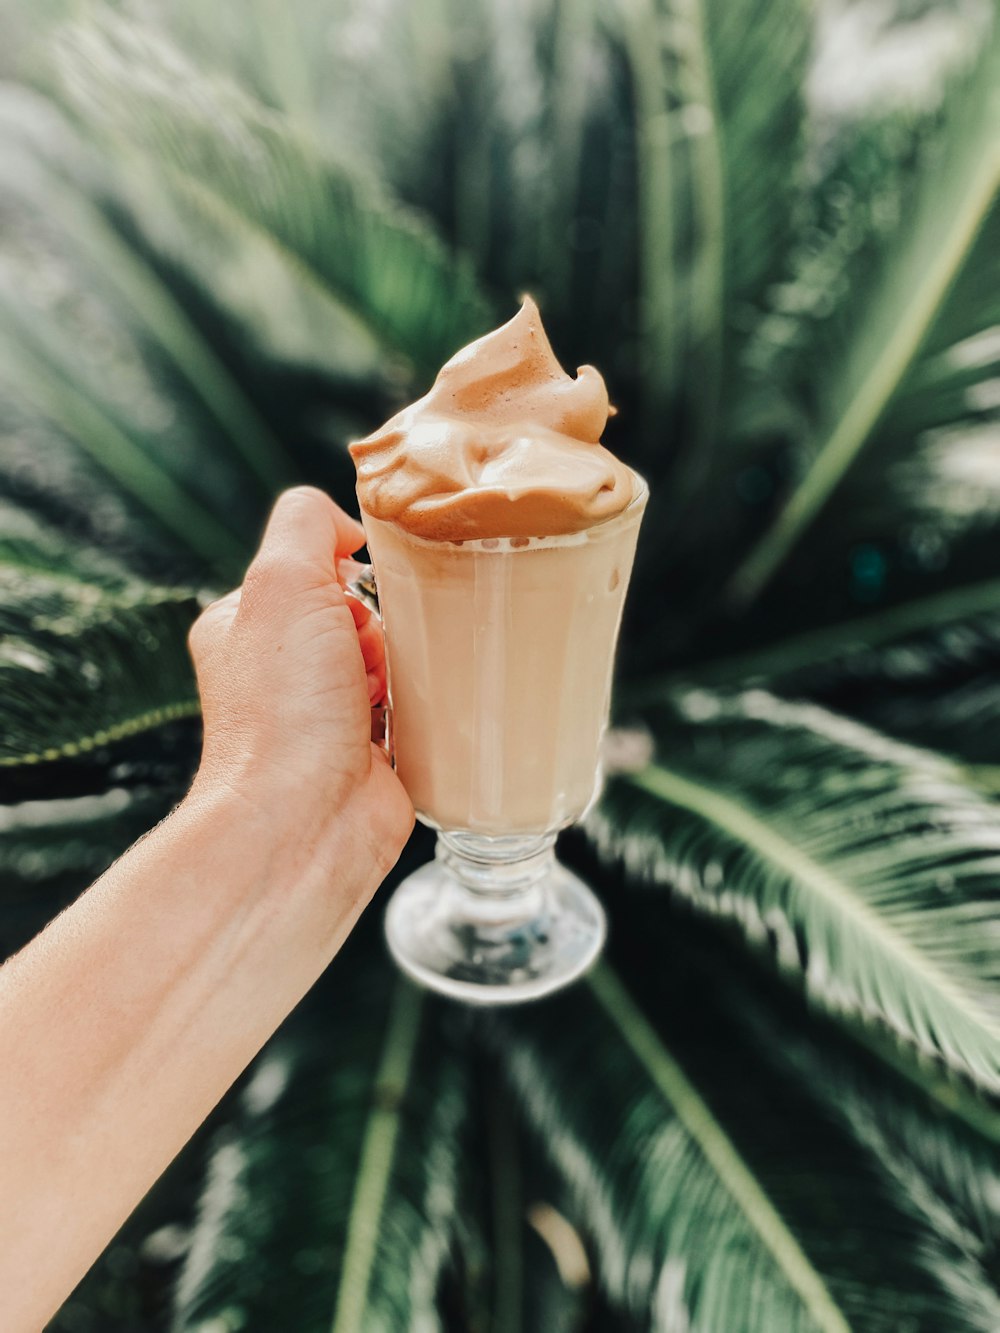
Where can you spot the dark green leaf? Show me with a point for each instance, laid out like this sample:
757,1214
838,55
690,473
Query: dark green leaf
332,1194
257,170
927,290
867,868
82,666
698,1183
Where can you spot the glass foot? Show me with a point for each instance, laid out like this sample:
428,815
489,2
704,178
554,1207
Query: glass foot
494,920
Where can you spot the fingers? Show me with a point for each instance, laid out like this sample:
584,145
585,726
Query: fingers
305,536
306,525
369,629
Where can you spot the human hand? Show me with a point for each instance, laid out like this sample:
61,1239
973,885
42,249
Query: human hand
287,669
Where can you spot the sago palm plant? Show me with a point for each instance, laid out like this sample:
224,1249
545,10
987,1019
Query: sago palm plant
235,236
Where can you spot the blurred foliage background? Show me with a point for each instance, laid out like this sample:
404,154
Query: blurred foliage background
234,236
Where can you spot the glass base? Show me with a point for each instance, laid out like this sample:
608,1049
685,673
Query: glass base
494,920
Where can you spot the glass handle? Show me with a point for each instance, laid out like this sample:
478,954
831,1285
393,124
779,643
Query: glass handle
362,588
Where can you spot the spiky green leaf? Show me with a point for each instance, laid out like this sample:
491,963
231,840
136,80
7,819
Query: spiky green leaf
869,870
691,1166
257,170
82,666
329,1200
927,290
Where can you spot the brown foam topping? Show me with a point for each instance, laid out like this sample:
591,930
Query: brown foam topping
505,444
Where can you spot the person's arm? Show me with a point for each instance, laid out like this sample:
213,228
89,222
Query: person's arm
126,1020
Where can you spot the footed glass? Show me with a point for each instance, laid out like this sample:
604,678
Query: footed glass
499,657
494,920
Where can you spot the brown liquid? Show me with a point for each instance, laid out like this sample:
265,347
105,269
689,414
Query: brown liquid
500,655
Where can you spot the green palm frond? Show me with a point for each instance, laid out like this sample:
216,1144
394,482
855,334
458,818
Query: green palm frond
74,361
713,207
138,293
72,840
939,1172
332,1193
866,868
255,170
943,1175
29,545
531,1269
82,666
927,291
919,639
690,1177
963,721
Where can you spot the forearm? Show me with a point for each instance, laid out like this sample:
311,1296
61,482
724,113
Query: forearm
126,1020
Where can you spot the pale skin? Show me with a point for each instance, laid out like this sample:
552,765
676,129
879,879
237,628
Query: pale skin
126,1020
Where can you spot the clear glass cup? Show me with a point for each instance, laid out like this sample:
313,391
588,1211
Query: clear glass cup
499,657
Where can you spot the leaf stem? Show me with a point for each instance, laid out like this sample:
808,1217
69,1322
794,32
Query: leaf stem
130,726
505,1173
718,1149
747,828
849,433
375,1163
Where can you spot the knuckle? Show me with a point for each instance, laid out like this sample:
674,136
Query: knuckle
274,569
301,499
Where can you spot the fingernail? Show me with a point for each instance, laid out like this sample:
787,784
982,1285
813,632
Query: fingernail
374,686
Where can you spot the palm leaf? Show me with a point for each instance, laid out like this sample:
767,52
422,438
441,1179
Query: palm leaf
866,868
913,639
797,1297
50,152
693,1173
926,291
82,372
82,666
32,546
945,1177
528,1262
963,721
939,1172
259,172
718,166
329,1200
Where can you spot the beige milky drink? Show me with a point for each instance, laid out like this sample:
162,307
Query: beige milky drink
502,535
499,655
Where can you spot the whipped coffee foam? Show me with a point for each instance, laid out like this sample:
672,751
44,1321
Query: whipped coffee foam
505,444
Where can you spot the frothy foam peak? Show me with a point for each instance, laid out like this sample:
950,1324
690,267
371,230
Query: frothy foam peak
505,444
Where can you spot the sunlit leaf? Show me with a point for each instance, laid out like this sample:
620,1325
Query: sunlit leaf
866,868
265,174
929,256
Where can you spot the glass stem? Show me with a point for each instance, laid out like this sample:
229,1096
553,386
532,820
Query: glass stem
503,873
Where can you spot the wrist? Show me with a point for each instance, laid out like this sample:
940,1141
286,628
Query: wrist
280,848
